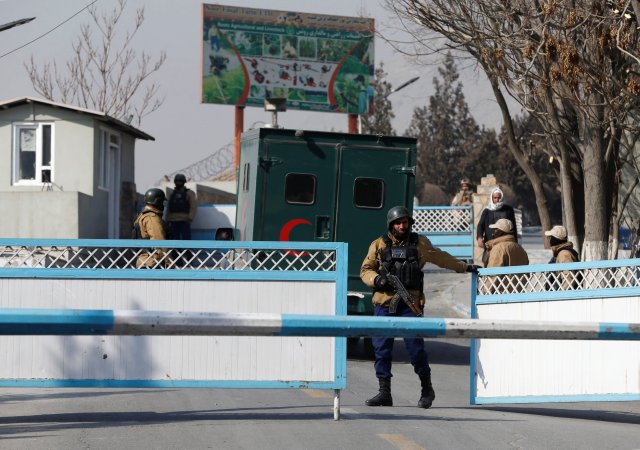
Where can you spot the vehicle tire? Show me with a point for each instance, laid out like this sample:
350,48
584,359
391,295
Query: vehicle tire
352,347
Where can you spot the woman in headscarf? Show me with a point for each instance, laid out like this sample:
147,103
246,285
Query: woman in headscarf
495,209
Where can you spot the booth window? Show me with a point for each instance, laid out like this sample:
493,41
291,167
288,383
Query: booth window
33,153
368,193
300,188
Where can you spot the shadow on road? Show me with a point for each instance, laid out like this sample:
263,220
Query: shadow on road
44,395
42,423
591,414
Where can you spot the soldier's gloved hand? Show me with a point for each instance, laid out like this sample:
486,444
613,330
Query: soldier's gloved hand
472,268
381,282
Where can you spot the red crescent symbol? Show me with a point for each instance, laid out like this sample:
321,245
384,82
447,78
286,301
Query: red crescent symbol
285,231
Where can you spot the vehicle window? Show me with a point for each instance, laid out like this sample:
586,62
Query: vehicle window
300,188
245,178
368,193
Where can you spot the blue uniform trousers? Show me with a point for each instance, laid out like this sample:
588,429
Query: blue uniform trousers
180,231
383,346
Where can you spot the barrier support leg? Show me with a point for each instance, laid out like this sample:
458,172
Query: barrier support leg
336,404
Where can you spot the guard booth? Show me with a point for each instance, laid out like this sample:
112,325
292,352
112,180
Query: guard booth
298,185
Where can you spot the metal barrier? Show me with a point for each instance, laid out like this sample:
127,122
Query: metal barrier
206,291
523,371
182,277
124,255
55,322
449,228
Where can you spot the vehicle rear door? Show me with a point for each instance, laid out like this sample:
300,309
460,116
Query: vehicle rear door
373,179
299,191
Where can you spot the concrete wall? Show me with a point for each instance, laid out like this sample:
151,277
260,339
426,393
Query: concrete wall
40,214
92,216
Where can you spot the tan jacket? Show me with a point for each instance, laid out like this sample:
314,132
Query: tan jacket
505,251
567,279
562,254
151,224
462,198
370,268
154,228
184,216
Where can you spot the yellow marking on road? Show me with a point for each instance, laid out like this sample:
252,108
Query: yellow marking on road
400,442
318,393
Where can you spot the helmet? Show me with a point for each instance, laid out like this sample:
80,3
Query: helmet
155,197
179,178
398,212
464,181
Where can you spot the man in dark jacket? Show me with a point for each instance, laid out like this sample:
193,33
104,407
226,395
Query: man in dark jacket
181,209
495,210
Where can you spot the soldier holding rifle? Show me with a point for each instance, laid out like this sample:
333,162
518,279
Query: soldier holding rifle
393,268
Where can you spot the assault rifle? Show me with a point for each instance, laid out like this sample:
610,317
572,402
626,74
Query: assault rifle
402,294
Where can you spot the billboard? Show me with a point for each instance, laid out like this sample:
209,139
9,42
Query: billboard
317,62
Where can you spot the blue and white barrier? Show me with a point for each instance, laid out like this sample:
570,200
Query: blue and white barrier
160,323
189,276
449,228
537,371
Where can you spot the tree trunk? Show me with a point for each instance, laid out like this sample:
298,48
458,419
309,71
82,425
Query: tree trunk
534,179
596,237
568,210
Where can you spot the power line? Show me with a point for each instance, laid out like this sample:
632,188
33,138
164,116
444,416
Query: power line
51,30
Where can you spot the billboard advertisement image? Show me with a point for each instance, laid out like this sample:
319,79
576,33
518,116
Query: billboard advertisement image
317,62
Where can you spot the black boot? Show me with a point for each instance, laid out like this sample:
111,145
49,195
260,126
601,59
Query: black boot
383,398
427,395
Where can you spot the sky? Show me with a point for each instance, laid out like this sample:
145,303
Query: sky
186,130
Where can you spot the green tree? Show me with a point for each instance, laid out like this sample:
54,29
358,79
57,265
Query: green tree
380,121
446,131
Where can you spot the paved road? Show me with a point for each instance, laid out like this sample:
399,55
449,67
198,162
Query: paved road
282,419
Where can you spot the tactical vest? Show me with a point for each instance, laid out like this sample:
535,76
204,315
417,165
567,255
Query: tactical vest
403,261
179,202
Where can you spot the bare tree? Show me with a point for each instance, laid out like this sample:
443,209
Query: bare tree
571,65
105,73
